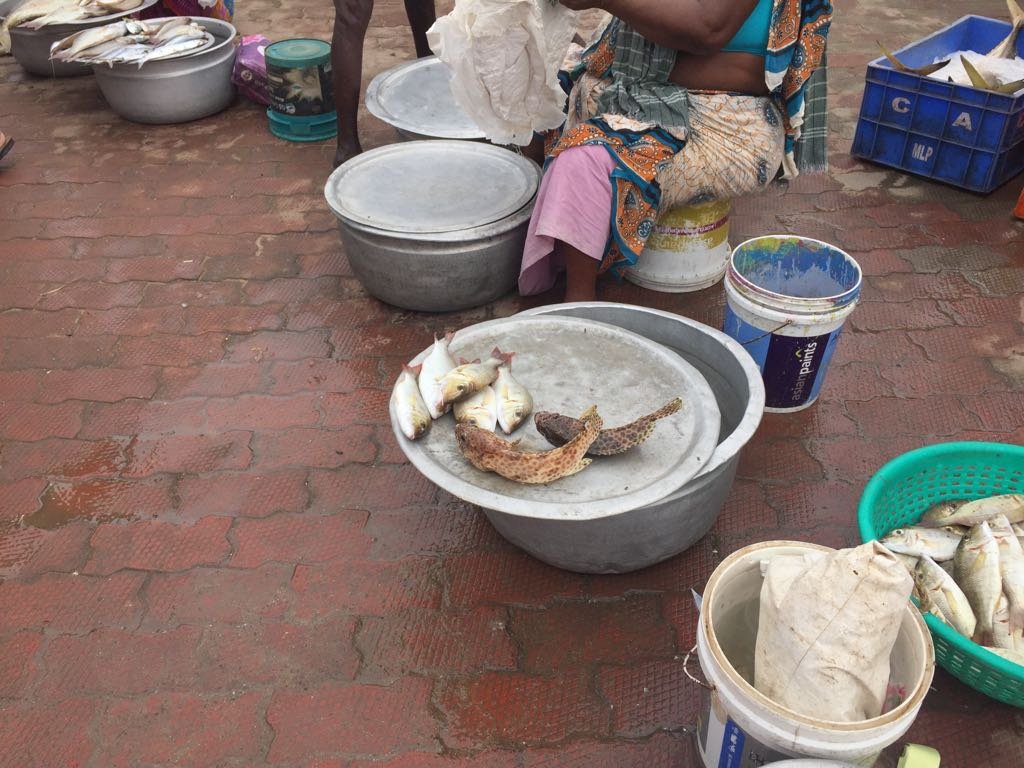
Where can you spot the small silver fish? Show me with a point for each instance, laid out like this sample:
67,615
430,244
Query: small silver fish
1003,635
973,512
437,363
410,410
938,589
465,380
514,401
976,570
939,544
1011,568
480,409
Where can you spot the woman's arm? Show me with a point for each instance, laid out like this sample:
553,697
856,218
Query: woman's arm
694,26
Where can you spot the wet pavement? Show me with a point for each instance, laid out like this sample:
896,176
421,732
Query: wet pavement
213,551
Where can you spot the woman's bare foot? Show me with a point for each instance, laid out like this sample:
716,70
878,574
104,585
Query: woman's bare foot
346,152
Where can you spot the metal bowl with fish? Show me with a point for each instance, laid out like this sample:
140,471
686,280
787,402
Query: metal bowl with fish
667,526
586,521
31,47
174,90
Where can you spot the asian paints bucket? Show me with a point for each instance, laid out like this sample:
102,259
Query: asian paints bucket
738,726
787,298
687,250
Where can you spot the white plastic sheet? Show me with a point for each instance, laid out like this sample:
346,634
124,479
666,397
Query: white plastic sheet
827,625
504,56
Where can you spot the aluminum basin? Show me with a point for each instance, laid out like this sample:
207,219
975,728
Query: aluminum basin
658,531
31,47
174,90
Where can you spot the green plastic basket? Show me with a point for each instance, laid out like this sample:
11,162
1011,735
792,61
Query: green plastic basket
900,493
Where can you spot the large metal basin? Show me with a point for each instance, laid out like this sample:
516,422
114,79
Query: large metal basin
175,90
31,47
658,531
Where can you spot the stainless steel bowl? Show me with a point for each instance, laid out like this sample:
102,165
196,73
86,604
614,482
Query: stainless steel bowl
434,226
658,531
31,47
174,90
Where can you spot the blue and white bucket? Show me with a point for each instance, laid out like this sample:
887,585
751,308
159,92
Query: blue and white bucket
787,298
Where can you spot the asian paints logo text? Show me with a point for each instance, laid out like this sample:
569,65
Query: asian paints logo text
806,357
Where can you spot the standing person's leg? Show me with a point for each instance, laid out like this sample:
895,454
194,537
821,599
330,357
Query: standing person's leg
351,19
421,15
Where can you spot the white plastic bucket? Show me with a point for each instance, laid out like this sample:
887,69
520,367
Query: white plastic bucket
787,298
688,249
739,726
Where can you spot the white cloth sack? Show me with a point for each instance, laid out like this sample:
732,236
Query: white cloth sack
504,56
827,625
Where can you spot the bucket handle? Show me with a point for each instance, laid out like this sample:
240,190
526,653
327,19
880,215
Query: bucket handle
686,670
766,333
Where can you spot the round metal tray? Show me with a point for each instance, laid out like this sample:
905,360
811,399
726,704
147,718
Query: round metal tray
415,98
568,364
431,187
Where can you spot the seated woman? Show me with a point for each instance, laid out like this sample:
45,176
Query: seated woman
678,102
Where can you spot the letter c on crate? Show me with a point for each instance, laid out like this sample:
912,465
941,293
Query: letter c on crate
901,104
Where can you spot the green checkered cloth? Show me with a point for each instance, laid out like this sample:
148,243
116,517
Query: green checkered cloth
811,151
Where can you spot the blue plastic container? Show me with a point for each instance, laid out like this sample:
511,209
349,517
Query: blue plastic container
787,298
312,128
957,134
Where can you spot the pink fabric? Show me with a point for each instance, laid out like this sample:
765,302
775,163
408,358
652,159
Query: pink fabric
574,205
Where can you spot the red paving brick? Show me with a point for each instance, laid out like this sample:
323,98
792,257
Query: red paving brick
213,551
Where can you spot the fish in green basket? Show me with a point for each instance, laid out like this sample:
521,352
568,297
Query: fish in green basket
937,590
976,570
938,543
1003,635
973,512
1011,568
1015,656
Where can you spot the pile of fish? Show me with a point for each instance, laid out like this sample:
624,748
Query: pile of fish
483,395
129,41
35,14
999,69
967,560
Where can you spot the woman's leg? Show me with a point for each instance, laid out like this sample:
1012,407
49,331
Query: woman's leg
351,19
580,272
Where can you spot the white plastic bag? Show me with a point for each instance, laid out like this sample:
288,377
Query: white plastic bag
504,56
828,622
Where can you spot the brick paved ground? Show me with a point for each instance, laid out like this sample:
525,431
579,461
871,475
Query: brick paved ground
213,552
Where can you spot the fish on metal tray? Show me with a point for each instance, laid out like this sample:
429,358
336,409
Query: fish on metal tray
438,362
490,453
410,410
466,379
558,429
976,570
973,512
938,543
937,589
480,409
514,400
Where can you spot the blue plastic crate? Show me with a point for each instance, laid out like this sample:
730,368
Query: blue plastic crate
965,136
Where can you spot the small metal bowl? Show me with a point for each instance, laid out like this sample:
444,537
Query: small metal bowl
174,90
31,47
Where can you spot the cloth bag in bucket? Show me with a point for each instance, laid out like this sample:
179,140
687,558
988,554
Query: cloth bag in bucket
787,298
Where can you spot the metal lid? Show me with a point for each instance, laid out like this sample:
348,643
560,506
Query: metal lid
415,97
298,53
569,364
421,187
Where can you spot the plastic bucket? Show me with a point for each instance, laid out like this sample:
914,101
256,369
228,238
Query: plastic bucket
314,128
787,298
687,250
739,726
299,78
